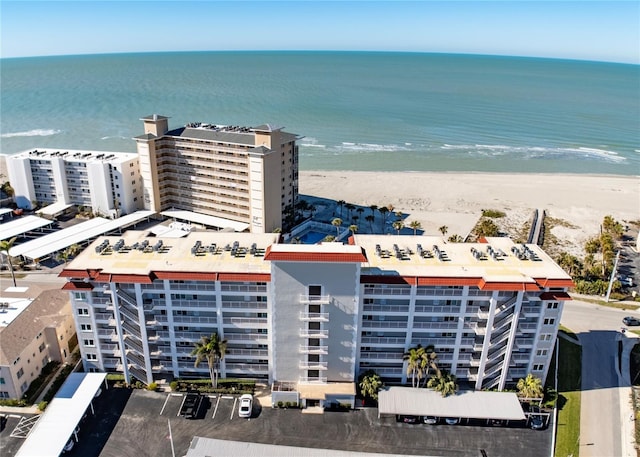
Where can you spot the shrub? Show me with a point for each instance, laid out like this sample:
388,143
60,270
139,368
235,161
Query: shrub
43,405
288,404
119,377
57,382
12,402
280,404
493,213
152,386
173,385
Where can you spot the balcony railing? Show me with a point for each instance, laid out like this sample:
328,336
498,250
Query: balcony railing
244,305
306,365
314,317
195,319
253,337
245,322
387,291
383,340
305,349
315,299
384,324
309,333
247,367
386,308
381,356
312,379
234,352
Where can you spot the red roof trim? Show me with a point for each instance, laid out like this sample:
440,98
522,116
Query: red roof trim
560,296
244,277
335,257
186,275
72,285
124,278
546,282
508,286
66,273
447,281
387,279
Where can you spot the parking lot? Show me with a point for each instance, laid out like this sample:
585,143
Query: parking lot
143,430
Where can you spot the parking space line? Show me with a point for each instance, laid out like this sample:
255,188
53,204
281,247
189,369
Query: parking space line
228,397
215,409
235,400
165,404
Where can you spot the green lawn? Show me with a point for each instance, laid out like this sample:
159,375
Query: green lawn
569,378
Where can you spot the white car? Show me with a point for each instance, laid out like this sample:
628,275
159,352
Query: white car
246,405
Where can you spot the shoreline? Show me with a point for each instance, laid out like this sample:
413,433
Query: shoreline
578,201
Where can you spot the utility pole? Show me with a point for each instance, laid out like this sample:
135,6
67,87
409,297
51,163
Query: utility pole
613,275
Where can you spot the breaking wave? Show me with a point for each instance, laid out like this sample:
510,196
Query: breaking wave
34,132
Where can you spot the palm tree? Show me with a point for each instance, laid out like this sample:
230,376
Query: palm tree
373,209
350,207
431,359
415,225
4,247
443,229
353,228
530,387
383,212
445,383
369,218
398,225
340,203
399,215
337,222
212,349
370,384
415,364
455,239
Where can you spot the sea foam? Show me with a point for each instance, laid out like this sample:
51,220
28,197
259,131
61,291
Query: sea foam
34,132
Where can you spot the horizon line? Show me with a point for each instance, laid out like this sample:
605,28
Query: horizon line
311,51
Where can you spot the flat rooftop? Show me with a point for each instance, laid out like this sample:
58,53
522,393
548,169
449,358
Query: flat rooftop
139,253
500,259
74,155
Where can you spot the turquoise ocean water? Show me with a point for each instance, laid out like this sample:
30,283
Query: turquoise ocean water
356,111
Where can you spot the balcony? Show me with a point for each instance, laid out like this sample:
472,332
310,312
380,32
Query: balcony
250,368
322,350
315,299
103,317
384,324
234,352
309,333
314,317
250,305
306,365
381,356
312,379
260,338
195,319
245,322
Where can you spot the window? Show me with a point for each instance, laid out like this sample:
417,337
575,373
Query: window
549,321
92,357
85,327
88,342
538,367
4,394
16,360
20,373
83,312
545,337
80,296
2,381
552,305
541,352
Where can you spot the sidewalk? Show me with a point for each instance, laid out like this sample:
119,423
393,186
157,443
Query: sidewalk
627,416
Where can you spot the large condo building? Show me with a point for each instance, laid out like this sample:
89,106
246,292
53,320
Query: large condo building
107,182
316,315
243,174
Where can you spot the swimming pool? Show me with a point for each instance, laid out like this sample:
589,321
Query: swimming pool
312,237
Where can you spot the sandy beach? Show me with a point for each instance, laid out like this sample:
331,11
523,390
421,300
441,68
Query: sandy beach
457,199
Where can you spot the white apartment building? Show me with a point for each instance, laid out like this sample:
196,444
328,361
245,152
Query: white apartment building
313,317
107,182
243,174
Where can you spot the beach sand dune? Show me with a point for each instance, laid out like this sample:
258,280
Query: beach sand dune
456,200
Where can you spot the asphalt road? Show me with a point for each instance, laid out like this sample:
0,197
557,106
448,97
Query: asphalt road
598,329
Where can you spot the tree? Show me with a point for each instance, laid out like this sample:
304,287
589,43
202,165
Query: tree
373,209
370,384
383,213
443,229
369,218
445,383
5,246
7,189
212,349
353,228
530,387
337,222
415,225
487,228
398,225
455,239
569,263
431,358
415,364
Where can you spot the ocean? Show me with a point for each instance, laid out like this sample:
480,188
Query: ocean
355,110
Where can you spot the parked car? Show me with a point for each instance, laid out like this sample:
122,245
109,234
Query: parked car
497,422
626,281
630,320
67,447
191,405
536,421
246,405
407,419
452,420
431,420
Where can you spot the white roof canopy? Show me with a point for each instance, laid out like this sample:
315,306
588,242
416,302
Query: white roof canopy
54,208
469,404
22,225
56,425
211,221
54,242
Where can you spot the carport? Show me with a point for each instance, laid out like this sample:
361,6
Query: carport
61,418
465,405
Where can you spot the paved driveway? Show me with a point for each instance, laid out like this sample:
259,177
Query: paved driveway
143,430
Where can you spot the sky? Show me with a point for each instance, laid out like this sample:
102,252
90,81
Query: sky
584,30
